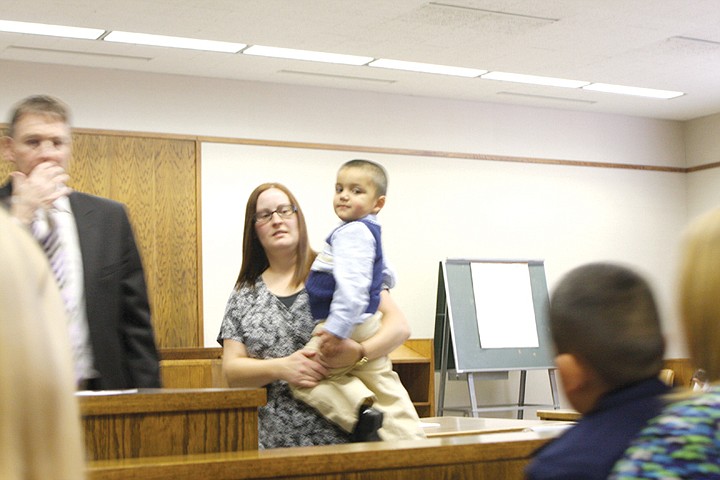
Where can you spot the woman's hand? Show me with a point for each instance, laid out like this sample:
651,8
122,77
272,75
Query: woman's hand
303,369
394,330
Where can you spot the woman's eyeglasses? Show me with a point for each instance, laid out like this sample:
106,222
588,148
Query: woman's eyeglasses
284,211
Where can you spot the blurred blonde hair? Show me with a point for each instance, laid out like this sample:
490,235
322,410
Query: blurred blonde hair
40,435
700,292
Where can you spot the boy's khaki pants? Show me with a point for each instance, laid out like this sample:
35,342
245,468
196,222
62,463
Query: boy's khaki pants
338,397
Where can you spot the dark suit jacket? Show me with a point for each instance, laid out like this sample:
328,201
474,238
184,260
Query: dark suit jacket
118,311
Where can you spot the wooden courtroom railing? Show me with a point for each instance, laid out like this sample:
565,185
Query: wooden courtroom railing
491,456
192,368
202,368
158,422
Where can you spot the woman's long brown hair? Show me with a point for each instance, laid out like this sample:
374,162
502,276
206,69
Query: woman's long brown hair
255,261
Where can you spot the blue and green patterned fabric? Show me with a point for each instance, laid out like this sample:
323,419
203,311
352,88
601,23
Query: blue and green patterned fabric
683,442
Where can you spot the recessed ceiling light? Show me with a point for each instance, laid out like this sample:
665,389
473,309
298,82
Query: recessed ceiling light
637,91
310,55
534,79
426,68
50,30
173,42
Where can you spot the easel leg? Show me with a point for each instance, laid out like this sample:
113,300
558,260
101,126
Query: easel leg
521,397
554,388
445,347
473,398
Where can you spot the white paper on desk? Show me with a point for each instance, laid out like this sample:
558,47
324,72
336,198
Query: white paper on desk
504,305
549,429
92,393
429,425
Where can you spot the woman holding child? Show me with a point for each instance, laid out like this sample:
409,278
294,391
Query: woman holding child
267,323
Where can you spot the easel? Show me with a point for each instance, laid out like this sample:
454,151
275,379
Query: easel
445,321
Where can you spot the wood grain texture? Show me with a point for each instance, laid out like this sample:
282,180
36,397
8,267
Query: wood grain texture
191,353
559,415
492,456
160,422
194,373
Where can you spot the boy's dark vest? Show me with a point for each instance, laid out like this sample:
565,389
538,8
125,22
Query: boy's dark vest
321,285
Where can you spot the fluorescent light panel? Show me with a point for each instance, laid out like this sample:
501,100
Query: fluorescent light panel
534,79
426,68
173,42
50,30
260,50
637,91
310,55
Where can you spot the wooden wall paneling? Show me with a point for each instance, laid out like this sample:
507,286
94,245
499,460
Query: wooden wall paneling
198,243
133,183
176,247
91,165
155,179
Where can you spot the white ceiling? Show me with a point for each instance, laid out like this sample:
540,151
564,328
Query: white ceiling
663,44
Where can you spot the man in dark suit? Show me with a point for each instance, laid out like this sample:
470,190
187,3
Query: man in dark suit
102,279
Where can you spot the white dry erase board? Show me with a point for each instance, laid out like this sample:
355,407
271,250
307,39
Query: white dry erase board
492,316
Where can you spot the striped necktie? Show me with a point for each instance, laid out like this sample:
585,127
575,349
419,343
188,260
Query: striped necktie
46,233
45,230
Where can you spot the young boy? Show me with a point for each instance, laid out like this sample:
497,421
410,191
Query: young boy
605,326
344,285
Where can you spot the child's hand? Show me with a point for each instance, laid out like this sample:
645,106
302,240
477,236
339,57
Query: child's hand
330,345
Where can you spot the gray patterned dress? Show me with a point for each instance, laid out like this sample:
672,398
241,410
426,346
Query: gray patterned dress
257,319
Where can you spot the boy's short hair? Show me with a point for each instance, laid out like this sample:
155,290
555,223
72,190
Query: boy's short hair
379,175
606,315
38,105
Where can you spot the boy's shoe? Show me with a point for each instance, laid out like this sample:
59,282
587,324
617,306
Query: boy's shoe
369,422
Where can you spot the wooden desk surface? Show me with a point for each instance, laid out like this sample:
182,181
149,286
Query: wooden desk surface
405,354
559,414
502,455
452,426
148,400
